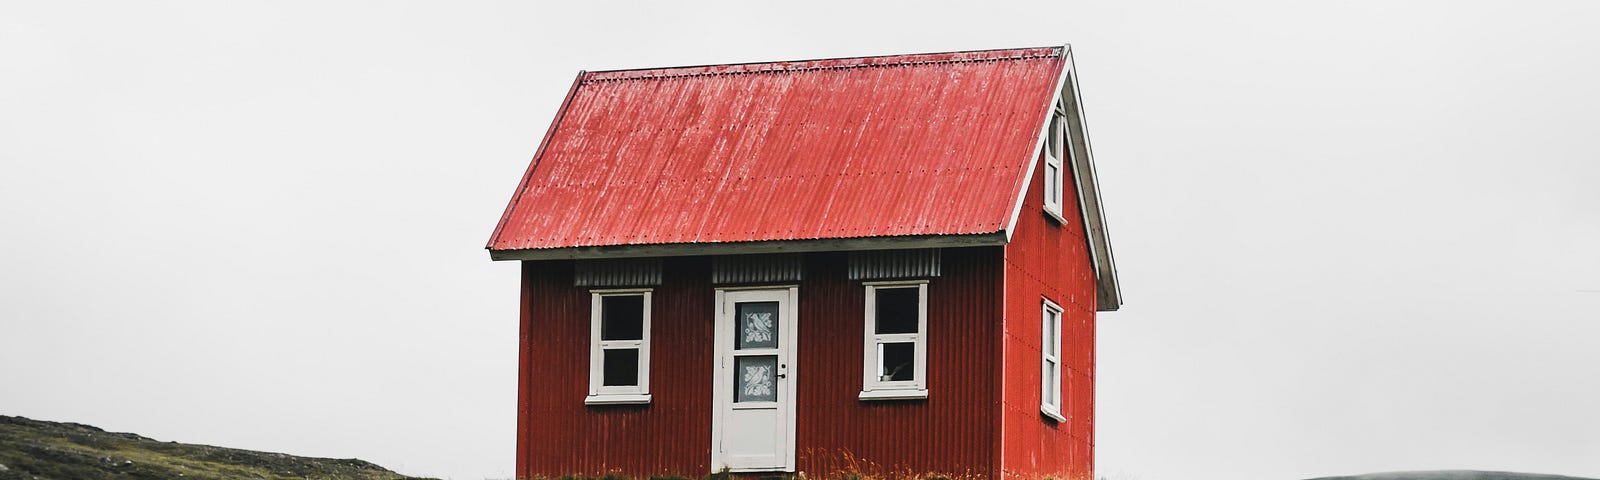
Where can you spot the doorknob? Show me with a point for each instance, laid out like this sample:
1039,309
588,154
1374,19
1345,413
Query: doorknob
783,370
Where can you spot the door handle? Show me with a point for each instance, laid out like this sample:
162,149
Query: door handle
783,370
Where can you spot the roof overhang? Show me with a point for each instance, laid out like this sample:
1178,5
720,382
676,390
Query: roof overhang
1108,291
740,248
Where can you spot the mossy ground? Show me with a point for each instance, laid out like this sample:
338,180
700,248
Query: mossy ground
33,449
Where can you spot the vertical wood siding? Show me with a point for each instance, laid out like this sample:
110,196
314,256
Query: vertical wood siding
950,432
1048,259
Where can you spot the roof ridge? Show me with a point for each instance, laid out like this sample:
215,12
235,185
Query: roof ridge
912,59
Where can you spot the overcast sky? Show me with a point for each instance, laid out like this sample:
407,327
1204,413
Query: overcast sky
1352,236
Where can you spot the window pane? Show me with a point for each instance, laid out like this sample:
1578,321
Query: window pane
622,317
897,310
758,325
1052,184
621,367
1054,142
755,378
897,361
1052,390
1050,339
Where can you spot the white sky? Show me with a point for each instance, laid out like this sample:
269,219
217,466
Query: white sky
1352,236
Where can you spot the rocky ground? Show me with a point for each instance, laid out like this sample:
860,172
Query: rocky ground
39,450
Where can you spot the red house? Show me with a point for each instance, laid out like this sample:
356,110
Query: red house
886,265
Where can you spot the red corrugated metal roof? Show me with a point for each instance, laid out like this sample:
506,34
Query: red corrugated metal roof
929,144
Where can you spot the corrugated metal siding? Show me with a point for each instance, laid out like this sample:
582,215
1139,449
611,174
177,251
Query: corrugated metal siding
746,269
669,435
1047,259
625,272
893,264
885,146
951,432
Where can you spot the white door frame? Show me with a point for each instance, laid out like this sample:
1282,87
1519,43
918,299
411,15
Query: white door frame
722,383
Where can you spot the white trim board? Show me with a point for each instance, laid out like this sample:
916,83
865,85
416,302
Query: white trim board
1039,138
1108,289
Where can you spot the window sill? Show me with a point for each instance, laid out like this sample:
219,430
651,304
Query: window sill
1052,413
894,395
615,399
1056,214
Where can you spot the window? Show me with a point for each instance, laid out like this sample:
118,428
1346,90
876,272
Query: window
895,356
619,347
1055,153
1050,377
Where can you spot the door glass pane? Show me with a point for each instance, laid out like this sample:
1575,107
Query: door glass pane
621,367
622,317
755,378
897,361
897,310
758,325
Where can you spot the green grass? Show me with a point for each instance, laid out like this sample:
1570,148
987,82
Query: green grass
32,449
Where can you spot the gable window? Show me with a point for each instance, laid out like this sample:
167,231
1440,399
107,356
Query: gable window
1055,153
619,347
895,353
1050,377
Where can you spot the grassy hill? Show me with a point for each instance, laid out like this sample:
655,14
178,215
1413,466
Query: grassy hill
33,449
1453,475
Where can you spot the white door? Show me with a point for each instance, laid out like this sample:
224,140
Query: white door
753,426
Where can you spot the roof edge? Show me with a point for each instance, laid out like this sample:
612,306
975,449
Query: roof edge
522,185
827,63
1034,156
737,248
1108,289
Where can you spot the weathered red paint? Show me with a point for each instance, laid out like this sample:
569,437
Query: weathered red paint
932,144
1047,259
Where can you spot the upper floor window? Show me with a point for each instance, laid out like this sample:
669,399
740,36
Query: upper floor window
619,346
1056,150
895,356
1050,376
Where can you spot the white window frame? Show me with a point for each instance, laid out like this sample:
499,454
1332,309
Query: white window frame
1057,148
599,393
1050,392
872,388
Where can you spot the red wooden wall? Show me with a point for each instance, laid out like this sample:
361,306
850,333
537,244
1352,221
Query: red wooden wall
953,431
1047,259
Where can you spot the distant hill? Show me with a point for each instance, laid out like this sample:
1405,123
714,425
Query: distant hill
33,449
1454,475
